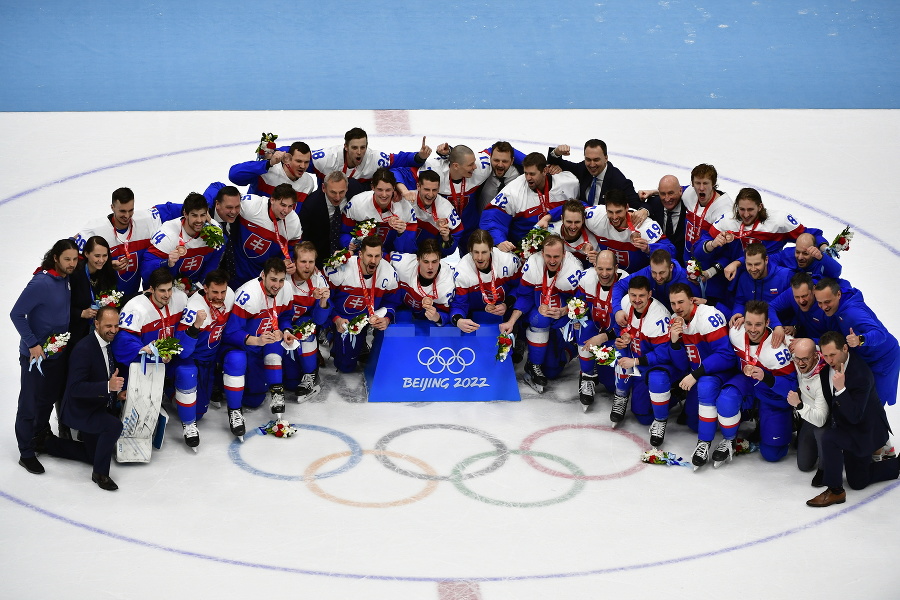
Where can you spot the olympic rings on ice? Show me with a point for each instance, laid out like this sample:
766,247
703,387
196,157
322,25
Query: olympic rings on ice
446,359
577,475
458,474
529,458
355,454
500,448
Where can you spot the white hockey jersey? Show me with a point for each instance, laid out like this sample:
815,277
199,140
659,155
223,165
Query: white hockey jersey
441,289
326,160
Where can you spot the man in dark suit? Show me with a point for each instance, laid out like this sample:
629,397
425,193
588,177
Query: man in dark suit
596,175
667,209
858,424
92,391
320,213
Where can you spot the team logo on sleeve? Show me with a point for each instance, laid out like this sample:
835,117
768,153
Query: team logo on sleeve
256,246
412,302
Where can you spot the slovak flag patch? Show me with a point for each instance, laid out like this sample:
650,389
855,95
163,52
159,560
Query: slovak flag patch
256,245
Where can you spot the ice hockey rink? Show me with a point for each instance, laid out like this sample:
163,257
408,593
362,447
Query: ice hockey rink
553,503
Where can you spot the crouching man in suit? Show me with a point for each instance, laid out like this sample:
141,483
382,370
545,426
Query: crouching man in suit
92,392
857,425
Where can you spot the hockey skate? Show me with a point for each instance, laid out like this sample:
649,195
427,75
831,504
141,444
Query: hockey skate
535,377
236,422
657,433
309,387
725,451
276,399
701,454
216,399
617,414
191,435
586,387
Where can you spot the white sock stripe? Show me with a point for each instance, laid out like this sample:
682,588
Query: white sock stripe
729,421
707,411
233,381
272,359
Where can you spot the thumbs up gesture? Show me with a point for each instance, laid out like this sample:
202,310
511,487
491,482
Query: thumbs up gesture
852,339
115,382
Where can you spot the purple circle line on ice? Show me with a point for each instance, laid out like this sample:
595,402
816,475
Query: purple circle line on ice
294,570
283,569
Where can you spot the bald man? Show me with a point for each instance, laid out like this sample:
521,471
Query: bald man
666,208
810,404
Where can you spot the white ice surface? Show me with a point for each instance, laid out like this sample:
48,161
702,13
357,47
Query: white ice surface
205,527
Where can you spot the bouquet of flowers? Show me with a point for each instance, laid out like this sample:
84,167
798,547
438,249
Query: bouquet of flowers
278,428
533,242
504,345
337,259
357,324
108,298
840,243
694,270
577,310
604,355
363,229
742,446
184,284
266,146
55,343
213,236
658,457
304,329
168,347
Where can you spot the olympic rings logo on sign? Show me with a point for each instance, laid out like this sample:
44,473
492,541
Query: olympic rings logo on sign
459,474
446,359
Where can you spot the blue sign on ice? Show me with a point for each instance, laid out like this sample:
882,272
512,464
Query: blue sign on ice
416,362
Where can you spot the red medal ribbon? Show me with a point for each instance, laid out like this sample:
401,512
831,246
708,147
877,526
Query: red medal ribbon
457,199
750,359
166,331
273,315
282,242
368,295
125,241
493,297
546,291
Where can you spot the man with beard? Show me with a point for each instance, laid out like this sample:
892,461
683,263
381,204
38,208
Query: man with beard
282,168
395,218
521,204
804,257
617,230
644,343
858,425
662,272
702,353
200,333
767,375
311,303
128,234
426,284
41,311
761,280
549,280
179,247
260,319
576,238
596,175
846,311
506,165
269,228
435,216
364,286
595,288
485,280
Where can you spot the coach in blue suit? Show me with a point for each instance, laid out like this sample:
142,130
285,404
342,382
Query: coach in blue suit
857,425
91,391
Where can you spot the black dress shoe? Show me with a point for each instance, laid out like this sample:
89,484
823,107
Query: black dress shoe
32,465
104,482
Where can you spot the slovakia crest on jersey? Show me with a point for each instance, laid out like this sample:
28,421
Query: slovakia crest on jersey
191,264
256,246
353,304
215,334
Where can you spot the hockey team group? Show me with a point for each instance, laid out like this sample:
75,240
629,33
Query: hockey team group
678,299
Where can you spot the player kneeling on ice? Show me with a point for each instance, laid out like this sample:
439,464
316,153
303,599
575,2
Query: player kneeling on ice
700,350
259,321
767,375
200,333
549,280
645,368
